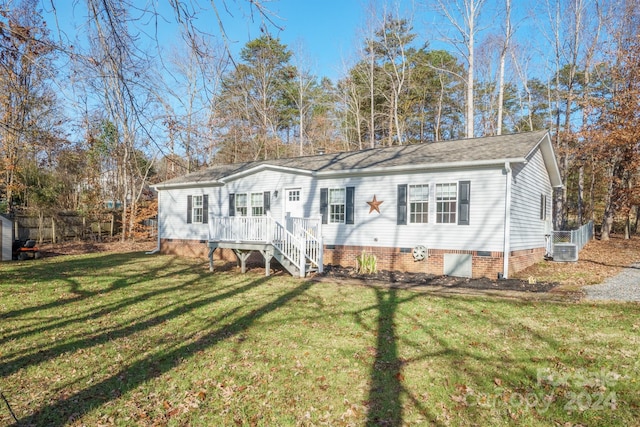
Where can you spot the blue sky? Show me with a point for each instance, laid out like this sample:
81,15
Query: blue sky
326,32
329,31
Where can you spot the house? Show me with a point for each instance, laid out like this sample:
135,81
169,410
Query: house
6,238
471,208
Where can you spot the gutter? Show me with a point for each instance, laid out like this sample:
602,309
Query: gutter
507,222
189,184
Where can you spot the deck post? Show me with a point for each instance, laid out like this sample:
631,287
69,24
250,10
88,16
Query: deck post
211,250
243,256
267,254
320,255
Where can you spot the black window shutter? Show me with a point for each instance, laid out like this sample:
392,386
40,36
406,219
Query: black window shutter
205,208
266,201
232,204
189,208
402,204
464,196
324,205
350,206
543,207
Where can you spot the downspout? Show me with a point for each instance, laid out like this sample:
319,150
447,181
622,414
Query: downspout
507,222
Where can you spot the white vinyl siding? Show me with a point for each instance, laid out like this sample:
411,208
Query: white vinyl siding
172,213
530,183
271,181
484,232
369,229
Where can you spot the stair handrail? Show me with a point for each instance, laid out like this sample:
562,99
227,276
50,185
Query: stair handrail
312,247
289,245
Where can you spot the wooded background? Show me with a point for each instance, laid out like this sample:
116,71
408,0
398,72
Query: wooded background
139,115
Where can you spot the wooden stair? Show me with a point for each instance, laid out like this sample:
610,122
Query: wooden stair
291,267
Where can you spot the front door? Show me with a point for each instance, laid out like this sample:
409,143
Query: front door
293,202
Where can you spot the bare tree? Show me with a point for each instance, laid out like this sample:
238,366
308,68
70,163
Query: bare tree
463,16
27,101
503,57
119,70
392,44
301,94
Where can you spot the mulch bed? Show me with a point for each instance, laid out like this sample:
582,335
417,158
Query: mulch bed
403,280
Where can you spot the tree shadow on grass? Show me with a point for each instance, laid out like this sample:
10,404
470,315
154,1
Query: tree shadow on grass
65,271
387,389
133,375
49,323
385,407
16,361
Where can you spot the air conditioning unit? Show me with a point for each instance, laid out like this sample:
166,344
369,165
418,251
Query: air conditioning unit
565,252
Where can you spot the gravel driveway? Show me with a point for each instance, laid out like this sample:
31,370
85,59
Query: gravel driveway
623,287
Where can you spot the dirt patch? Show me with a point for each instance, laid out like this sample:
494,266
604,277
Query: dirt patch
597,261
416,280
84,247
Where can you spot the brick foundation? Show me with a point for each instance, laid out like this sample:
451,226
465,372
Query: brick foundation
484,264
519,260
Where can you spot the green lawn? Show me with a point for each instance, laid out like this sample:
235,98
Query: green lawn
132,339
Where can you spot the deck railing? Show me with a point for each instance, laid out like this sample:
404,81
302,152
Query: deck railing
240,229
310,231
311,225
299,241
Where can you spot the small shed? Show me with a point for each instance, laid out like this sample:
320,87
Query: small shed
6,238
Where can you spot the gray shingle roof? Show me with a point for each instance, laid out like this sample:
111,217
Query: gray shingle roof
464,151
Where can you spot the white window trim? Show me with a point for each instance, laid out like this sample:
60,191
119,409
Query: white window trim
428,201
197,208
435,203
343,204
261,205
249,203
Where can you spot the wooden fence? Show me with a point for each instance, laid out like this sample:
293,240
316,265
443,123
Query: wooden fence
63,227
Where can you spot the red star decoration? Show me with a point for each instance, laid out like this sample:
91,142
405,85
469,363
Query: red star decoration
374,205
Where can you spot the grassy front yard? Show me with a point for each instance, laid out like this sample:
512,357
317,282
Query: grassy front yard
131,339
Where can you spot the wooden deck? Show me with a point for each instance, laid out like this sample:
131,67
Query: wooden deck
243,250
296,245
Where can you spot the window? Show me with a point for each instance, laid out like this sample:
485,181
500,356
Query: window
419,203
446,203
543,207
257,208
197,208
294,195
255,204
241,204
336,205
